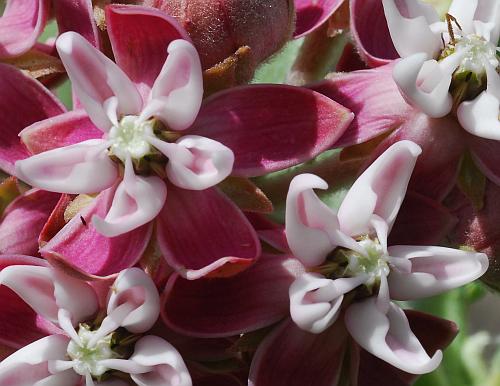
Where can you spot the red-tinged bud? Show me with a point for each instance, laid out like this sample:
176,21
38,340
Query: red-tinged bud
220,27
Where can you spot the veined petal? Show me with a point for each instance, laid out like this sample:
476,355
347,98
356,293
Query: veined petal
380,190
195,162
97,81
412,35
168,366
177,92
388,336
137,201
312,228
315,300
81,168
433,270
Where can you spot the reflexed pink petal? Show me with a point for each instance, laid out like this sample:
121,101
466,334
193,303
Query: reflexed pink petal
78,16
486,155
388,337
312,14
98,82
271,127
370,32
316,359
433,270
380,190
178,91
190,212
168,365
20,25
137,201
63,130
255,298
23,101
78,242
70,169
140,37
376,109
56,220
270,232
23,221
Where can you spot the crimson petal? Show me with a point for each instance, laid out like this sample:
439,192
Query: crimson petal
312,14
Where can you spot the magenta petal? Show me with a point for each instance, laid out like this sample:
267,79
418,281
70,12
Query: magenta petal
371,33
376,109
316,359
256,298
63,130
21,24
23,101
23,221
486,153
140,37
271,127
78,16
312,14
203,232
83,247
19,324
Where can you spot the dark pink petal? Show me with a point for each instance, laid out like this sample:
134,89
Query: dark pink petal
486,153
421,221
63,130
78,16
56,221
312,14
219,380
269,231
376,109
271,127
21,24
23,101
19,324
370,32
82,246
293,357
203,232
256,298
140,37
350,60
23,221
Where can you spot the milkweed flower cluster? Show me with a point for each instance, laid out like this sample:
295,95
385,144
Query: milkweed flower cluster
141,241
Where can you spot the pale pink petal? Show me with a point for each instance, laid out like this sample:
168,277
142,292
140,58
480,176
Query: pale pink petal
463,11
488,11
433,270
312,228
380,190
137,201
168,366
97,81
195,162
70,169
315,300
389,337
312,14
177,92
20,25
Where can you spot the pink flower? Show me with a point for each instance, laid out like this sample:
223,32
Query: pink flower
85,345
311,14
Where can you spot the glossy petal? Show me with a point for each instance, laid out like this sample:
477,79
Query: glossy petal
196,163
388,337
140,37
380,190
312,14
77,242
70,169
220,248
23,221
271,127
18,93
20,25
177,92
98,82
433,270
253,299
316,359
77,16
137,201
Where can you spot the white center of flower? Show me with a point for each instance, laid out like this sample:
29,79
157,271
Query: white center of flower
129,138
373,263
86,359
478,52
